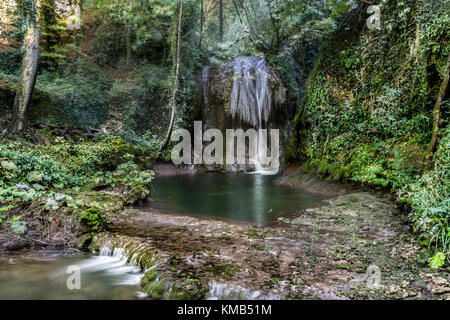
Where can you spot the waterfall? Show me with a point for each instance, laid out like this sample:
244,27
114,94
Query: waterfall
251,96
243,94
205,75
116,262
251,100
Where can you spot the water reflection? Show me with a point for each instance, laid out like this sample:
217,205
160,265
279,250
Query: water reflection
243,197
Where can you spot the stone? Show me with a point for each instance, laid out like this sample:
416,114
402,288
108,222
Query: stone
419,284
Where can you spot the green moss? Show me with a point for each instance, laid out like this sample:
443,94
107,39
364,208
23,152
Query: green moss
305,167
374,107
222,271
322,168
93,221
163,286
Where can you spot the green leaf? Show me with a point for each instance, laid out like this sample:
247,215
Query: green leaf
6,208
14,219
437,260
19,227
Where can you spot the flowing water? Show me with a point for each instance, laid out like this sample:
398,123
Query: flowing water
44,275
242,197
113,274
251,99
251,104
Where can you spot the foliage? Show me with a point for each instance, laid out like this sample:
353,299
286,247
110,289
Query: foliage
134,27
367,112
292,23
31,166
437,260
92,219
143,100
18,226
128,174
27,172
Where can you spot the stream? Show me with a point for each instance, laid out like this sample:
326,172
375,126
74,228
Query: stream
43,275
252,198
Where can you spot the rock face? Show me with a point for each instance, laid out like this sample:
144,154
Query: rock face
242,94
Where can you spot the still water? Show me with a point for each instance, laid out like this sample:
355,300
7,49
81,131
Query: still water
251,198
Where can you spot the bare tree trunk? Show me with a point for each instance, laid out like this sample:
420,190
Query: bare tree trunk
28,75
177,75
128,44
128,36
221,19
437,112
202,14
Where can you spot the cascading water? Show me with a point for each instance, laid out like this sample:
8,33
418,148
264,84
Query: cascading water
251,96
205,75
256,89
53,274
115,262
251,101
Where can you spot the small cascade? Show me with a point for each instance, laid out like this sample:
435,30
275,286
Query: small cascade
115,262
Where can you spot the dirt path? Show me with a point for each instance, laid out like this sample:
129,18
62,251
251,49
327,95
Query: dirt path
356,246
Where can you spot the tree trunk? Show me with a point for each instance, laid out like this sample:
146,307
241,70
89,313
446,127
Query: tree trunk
221,19
128,44
437,112
177,74
128,34
202,14
28,74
